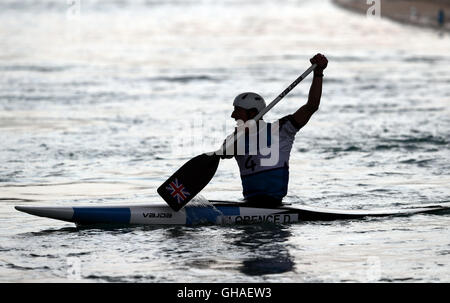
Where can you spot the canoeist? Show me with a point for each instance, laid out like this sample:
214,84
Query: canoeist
268,184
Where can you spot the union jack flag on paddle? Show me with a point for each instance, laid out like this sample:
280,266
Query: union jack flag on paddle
188,180
178,191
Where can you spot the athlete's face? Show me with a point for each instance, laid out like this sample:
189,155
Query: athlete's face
240,113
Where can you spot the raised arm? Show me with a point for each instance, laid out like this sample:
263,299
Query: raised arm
304,113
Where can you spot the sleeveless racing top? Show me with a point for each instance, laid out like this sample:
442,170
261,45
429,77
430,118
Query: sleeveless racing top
265,170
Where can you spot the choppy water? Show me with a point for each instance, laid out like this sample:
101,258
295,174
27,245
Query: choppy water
96,100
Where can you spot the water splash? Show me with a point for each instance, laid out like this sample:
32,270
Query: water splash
201,211
200,201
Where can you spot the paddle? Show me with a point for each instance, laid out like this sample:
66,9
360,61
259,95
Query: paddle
195,174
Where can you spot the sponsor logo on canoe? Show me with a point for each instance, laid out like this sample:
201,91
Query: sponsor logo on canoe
177,190
157,215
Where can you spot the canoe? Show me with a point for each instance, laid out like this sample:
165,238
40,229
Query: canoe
215,212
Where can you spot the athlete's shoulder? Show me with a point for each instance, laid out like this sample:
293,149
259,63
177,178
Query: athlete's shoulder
288,121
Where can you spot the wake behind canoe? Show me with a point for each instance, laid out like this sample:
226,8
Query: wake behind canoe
217,212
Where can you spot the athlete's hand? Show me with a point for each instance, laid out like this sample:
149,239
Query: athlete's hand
321,62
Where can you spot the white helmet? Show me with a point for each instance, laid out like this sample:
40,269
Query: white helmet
249,101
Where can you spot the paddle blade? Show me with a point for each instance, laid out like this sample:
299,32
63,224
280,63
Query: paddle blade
189,180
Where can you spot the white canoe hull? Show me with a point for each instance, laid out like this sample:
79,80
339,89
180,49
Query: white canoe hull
219,212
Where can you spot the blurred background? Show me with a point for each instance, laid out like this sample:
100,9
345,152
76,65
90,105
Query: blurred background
101,101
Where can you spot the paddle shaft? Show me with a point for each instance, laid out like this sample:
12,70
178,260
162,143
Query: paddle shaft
285,92
230,143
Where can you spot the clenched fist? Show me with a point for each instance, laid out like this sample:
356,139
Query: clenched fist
321,62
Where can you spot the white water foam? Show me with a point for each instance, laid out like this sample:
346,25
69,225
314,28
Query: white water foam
201,201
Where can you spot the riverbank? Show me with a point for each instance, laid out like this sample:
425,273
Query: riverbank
413,12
